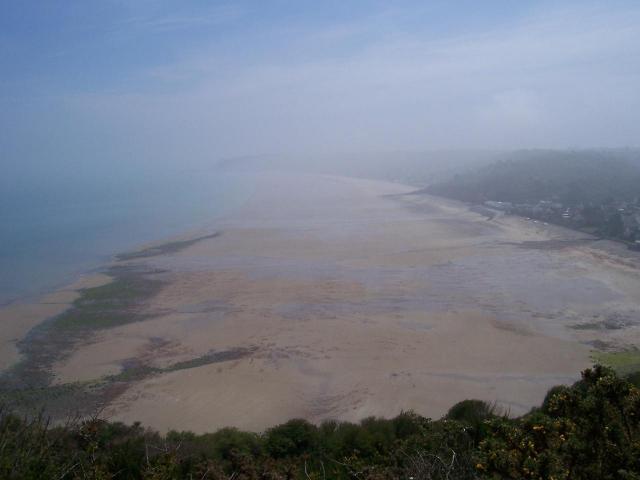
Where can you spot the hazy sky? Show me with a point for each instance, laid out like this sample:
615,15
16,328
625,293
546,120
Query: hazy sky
97,84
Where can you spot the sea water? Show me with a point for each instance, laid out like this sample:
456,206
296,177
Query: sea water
51,232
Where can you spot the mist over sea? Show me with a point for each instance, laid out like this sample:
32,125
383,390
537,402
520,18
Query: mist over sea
53,230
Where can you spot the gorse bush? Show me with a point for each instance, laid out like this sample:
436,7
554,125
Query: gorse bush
587,431
590,430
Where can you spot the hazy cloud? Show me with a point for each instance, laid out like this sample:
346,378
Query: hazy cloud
162,22
557,78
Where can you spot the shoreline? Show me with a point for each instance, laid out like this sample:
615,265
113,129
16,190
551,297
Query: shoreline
50,328
22,313
566,228
47,251
20,316
227,316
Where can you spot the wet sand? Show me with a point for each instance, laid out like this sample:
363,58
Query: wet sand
348,298
18,318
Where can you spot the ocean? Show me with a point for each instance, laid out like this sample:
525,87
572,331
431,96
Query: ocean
51,232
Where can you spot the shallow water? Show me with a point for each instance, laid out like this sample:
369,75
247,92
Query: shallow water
50,235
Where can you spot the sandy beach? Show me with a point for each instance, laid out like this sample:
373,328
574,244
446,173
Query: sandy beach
17,319
337,298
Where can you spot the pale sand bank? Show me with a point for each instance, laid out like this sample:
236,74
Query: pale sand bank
351,300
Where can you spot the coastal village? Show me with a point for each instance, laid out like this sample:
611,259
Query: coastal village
619,220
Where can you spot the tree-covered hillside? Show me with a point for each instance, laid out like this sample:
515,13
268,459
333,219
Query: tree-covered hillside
567,177
596,191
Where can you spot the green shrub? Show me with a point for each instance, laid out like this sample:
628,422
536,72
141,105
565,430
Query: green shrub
590,430
292,438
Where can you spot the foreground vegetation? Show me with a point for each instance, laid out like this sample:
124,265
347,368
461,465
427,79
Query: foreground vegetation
590,430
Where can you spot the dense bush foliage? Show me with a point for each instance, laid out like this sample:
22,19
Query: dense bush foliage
588,431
